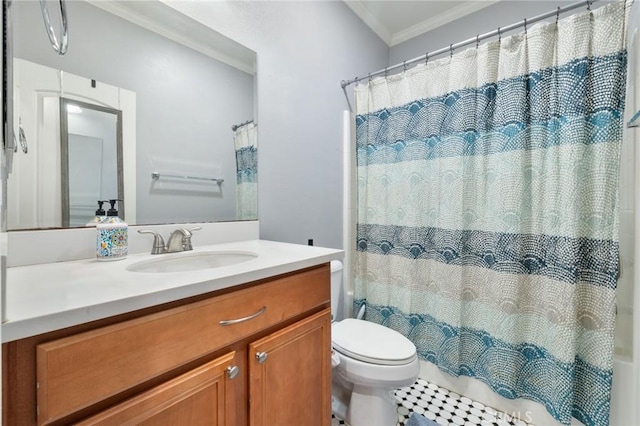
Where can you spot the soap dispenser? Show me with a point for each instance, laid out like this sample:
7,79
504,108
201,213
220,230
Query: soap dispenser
112,236
100,216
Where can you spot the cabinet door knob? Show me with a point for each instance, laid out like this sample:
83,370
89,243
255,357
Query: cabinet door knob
232,371
261,357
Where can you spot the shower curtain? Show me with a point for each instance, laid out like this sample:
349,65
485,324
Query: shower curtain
246,144
487,210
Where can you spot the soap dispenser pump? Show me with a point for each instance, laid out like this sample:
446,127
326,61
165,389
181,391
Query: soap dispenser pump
112,236
100,216
113,212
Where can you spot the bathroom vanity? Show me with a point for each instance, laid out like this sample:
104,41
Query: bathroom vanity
240,344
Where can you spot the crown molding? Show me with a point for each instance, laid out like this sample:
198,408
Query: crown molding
200,38
439,20
372,22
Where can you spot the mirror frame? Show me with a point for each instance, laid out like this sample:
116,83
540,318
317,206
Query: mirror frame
64,155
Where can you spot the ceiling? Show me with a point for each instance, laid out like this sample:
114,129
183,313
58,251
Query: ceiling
395,21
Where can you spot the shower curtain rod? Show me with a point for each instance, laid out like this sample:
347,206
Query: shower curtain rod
472,40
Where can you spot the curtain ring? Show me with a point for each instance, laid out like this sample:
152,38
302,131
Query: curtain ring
499,35
451,51
386,72
558,15
370,78
404,66
525,26
589,5
477,41
426,58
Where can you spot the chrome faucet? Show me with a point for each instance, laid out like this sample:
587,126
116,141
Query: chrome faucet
180,240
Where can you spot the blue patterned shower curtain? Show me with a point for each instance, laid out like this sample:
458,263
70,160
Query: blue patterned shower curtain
246,144
488,210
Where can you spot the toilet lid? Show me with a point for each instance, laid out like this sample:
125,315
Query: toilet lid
370,342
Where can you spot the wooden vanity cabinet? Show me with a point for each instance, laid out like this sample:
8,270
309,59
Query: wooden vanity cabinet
256,354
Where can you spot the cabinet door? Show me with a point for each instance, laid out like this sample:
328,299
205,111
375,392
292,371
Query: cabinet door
290,375
203,396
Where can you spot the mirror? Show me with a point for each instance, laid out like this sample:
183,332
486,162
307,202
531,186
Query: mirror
181,88
91,160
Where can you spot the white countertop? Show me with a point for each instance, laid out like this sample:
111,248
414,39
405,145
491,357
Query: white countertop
47,297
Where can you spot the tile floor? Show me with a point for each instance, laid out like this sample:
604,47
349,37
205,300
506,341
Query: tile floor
445,408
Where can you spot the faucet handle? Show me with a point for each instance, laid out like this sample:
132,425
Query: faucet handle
158,242
186,238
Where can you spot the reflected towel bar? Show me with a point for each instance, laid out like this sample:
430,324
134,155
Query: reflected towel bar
156,176
237,126
635,120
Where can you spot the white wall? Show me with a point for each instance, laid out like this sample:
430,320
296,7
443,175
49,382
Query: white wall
3,227
304,50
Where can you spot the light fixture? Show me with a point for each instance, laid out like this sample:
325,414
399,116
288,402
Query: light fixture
73,109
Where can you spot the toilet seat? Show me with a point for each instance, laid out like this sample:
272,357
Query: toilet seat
372,343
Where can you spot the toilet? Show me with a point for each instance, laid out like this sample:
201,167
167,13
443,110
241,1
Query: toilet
370,362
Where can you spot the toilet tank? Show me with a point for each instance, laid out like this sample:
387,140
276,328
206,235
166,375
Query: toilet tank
337,296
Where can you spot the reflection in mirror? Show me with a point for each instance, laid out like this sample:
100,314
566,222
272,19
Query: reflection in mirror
188,84
246,142
35,190
91,148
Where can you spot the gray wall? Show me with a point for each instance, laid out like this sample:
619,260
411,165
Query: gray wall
304,50
186,104
488,19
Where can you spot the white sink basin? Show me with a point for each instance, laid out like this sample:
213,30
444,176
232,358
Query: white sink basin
191,261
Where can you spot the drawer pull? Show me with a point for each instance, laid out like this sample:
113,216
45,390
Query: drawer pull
232,371
261,357
250,317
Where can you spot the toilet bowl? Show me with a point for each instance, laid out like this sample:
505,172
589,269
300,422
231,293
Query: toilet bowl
370,362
